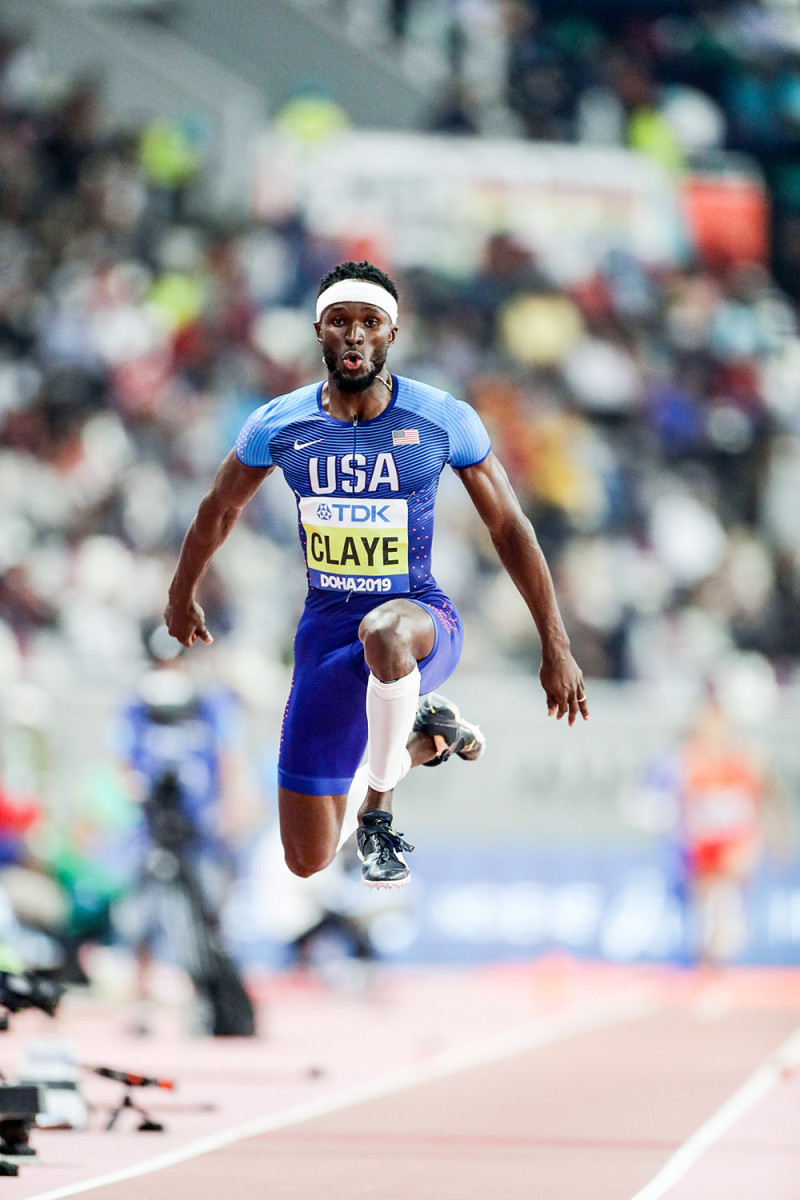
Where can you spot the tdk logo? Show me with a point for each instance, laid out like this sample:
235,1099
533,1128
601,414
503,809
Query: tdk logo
355,514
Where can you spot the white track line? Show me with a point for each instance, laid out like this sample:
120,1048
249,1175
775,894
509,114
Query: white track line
743,1099
527,1037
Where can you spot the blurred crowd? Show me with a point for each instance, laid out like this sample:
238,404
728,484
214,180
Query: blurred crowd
676,80
649,420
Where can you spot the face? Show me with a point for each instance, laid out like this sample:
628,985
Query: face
355,340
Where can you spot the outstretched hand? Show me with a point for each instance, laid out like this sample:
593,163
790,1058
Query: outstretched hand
562,680
187,623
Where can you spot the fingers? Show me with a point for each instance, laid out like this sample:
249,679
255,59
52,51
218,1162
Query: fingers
571,705
565,691
189,639
187,625
202,634
581,705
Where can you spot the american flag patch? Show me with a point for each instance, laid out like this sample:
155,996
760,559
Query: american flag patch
405,437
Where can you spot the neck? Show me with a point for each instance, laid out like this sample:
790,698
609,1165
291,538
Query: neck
357,406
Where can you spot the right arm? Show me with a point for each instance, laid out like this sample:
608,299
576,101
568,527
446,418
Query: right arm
234,485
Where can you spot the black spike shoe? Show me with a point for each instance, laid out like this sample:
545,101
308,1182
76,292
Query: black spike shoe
441,720
380,850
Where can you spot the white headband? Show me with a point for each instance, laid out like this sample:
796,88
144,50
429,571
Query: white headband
359,290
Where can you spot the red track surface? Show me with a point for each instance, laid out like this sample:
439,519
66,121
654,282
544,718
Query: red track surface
559,1082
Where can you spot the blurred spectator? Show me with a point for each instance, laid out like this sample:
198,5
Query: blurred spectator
454,112
311,116
539,88
171,155
32,899
35,910
724,809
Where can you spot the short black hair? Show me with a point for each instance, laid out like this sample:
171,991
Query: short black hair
358,270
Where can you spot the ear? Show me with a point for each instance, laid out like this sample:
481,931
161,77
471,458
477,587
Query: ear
392,335
318,327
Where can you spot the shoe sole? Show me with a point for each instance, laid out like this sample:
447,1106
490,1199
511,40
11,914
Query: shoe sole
394,883
385,883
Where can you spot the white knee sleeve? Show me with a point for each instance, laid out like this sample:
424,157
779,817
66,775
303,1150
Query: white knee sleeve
391,708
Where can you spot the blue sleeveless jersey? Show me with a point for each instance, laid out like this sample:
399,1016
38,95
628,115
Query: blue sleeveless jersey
365,490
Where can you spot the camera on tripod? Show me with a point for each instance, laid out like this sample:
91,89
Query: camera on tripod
185,863
28,989
21,1102
168,824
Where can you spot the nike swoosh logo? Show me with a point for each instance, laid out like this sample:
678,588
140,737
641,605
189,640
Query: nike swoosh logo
302,445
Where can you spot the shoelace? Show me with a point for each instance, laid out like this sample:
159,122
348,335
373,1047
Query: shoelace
385,833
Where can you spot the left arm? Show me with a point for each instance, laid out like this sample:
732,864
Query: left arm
519,552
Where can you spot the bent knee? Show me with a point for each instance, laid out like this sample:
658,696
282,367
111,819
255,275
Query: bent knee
305,863
381,628
387,641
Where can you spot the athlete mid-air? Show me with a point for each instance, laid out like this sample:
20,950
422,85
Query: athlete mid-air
363,452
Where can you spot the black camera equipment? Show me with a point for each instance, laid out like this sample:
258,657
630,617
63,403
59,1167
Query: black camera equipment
169,826
20,1102
170,864
28,989
130,1081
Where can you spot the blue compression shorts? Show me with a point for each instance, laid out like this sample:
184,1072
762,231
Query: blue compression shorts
324,733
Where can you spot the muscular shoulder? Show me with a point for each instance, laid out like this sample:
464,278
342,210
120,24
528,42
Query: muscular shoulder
424,400
253,443
468,440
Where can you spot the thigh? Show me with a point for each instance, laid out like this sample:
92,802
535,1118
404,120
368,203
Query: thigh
448,641
430,626
324,732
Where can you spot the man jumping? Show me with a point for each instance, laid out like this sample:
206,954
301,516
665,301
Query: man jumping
363,452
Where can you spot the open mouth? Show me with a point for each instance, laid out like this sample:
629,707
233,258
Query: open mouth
351,361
